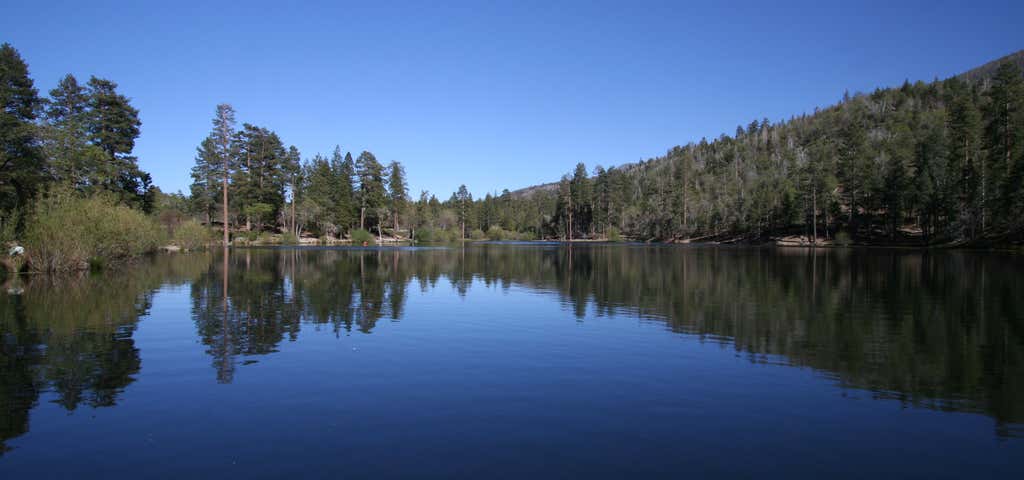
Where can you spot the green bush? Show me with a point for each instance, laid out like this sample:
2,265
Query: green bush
289,238
614,235
842,239
191,235
495,233
425,235
529,235
68,232
477,234
436,235
360,236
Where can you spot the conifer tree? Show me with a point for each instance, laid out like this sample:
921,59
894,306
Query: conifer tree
20,155
398,192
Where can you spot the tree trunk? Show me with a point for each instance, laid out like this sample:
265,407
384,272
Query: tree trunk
814,214
225,202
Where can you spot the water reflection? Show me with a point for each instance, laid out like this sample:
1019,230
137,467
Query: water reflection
938,330
72,336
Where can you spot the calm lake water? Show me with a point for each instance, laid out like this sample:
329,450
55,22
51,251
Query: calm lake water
512,361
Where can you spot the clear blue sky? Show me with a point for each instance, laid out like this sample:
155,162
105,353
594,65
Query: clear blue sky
493,94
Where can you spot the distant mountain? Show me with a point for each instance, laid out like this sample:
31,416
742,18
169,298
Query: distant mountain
923,162
974,75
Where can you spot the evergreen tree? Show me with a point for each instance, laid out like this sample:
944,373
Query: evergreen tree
71,158
206,179
582,193
372,192
398,192
964,133
20,155
260,176
344,192
292,169
319,195
113,125
1004,140
463,202
222,134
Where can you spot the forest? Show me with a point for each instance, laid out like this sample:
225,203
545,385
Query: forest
936,163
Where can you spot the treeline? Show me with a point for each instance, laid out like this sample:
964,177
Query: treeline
270,186
923,163
926,162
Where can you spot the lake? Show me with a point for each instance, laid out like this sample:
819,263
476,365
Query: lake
519,360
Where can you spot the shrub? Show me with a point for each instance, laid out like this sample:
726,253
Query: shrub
477,234
614,235
520,236
495,233
289,238
425,235
435,235
191,235
360,236
842,239
68,232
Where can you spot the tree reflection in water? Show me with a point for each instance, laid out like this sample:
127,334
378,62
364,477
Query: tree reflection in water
941,330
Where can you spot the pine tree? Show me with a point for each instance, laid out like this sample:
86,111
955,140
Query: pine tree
582,193
20,155
463,203
260,177
398,192
71,158
344,192
1004,140
113,126
964,133
204,188
293,173
222,134
372,193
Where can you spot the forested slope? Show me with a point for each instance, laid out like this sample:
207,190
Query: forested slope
922,163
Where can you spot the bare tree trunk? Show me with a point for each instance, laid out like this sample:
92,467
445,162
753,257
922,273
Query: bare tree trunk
225,202
814,214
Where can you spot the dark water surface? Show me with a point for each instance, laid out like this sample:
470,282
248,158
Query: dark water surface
512,361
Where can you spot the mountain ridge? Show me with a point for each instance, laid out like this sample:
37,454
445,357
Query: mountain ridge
977,74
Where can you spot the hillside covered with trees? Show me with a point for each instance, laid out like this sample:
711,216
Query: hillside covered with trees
928,163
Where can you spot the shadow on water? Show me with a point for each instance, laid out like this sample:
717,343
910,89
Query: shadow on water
938,330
